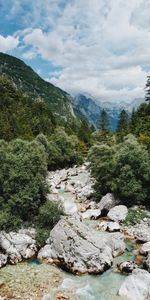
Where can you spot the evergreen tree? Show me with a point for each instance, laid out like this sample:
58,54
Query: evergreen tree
147,88
123,125
104,122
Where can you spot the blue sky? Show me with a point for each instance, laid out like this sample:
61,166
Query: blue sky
97,47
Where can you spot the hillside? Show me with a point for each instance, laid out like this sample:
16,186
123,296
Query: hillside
34,86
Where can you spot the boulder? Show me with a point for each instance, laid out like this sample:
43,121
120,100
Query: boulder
127,266
136,286
146,263
102,226
145,248
81,249
3,260
113,226
106,203
140,231
91,214
17,246
118,213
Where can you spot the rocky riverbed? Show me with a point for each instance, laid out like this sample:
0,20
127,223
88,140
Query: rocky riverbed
90,239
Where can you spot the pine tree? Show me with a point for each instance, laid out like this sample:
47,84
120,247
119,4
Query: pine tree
123,123
104,122
147,88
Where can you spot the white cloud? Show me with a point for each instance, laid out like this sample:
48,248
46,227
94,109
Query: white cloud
102,46
8,43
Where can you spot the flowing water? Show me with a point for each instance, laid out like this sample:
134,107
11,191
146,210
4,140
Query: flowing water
30,280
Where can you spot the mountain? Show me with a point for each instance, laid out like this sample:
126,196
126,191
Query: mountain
91,109
31,84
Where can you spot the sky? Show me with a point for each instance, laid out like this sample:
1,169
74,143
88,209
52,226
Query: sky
95,47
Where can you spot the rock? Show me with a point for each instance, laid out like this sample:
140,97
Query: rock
3,260
146,263
102,226
17,246
145,248
136,286
118,213
106,203
116,242
127,266
80,249
45,252
91,214
113,226
140,231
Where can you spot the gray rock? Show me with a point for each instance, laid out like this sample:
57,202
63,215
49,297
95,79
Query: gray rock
145,248
140,231
118,213
113,226
3,260
91,214
136,286
81,249
127,266
146,263
17,246
102,226
107,202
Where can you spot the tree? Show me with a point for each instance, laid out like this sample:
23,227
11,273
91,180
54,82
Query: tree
123,169
104,122
123,125
147,88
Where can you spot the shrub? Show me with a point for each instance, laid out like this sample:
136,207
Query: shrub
23,169
123,170
49,215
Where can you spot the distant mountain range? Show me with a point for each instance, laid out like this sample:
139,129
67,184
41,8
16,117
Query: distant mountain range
67,111
91,109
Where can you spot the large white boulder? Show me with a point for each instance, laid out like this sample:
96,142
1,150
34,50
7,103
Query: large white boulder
17,246
81,249
136,286
118,213
107,202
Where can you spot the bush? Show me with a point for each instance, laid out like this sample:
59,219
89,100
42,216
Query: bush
63,150
23,170
123,169
49,215
135,216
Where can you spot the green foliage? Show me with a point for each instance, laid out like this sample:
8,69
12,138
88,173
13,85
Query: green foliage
20,115
63,150
123,169
140,124
135,216
23,169
123,125
104,122
49,215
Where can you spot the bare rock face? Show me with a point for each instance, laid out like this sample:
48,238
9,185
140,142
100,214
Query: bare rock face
127,266
145,248
136,286
140,231
91,214
113,226
3,260
17,246
118,213
80,249
107,202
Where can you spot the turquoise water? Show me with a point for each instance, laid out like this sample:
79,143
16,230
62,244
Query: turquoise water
34,262
99,287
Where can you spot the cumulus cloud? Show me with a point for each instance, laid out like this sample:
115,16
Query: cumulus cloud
8,43
101,46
